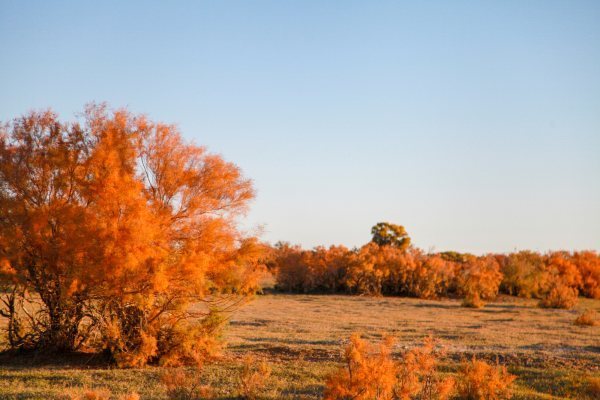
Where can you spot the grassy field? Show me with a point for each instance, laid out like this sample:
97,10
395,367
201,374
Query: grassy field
301,337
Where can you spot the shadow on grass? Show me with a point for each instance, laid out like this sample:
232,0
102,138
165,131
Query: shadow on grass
76,360
560,383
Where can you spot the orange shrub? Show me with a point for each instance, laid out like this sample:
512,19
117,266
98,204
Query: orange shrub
373,267
524,274
478,280
368,374
130,226
182,385
431,277
588,265
317,270
588,318
328,266
560,296
562,267
480,381
377,270
418,377
253,378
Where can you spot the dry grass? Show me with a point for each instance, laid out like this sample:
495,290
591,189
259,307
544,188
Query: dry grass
312,327
301,337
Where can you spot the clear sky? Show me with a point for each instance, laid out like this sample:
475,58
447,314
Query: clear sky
475,124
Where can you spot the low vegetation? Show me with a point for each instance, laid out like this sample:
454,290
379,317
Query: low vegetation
385,267
588,318
481,381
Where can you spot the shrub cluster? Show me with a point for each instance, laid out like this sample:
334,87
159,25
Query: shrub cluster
370,373
556,278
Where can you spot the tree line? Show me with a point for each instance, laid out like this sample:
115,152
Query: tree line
389,265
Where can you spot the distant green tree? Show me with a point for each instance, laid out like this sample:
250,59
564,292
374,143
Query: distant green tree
454,256
386,234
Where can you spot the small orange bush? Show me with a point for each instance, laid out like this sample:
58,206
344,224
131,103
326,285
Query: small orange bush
371,374
368,374
432,277
560,296
524,274
588,318
182,385
562,267
253,378
480,381
418,377
479,280
588,264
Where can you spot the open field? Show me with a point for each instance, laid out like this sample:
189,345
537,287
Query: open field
301,336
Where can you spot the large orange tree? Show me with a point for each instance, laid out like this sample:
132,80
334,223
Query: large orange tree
112,230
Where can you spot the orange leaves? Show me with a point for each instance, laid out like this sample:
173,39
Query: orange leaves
119,217
557,277
481,381
184,385
369,372
588,264
478,280
560,296
588,318
418,377
372,269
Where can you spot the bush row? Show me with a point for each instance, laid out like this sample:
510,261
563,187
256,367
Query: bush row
557,278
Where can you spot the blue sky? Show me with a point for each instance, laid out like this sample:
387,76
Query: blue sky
475,124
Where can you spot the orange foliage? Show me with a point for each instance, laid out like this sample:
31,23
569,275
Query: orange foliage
418,377
115,225
319,270
375,269
478,280
253,378
388,270
481,381
560,296
588,264
372,269
562,268
368,374
182,385
588,318
432,277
